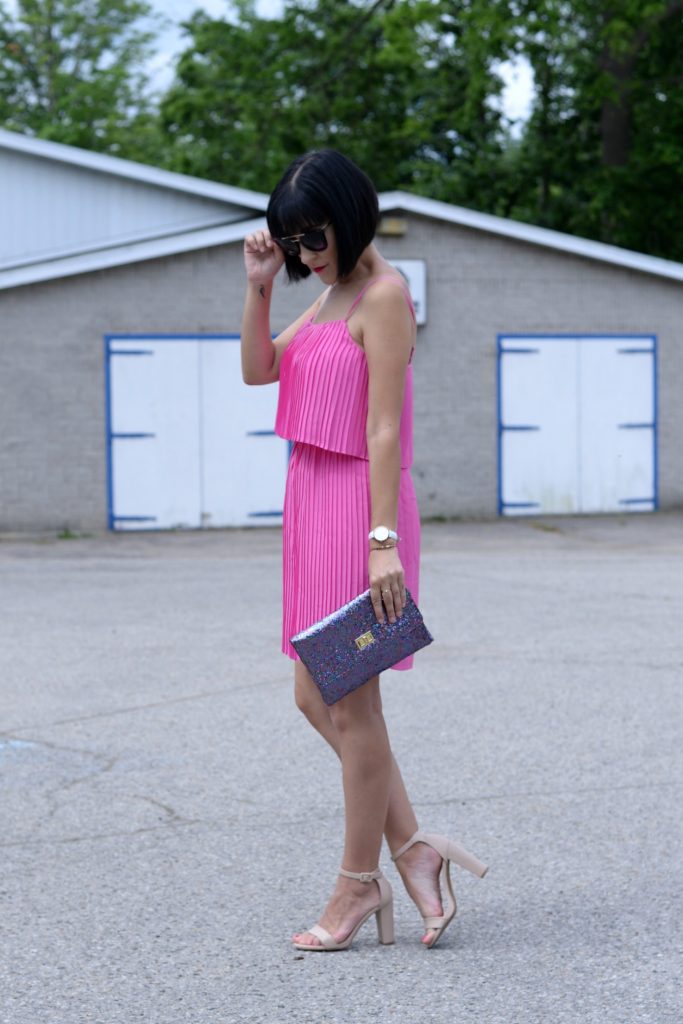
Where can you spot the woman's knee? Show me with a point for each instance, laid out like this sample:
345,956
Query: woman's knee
360,706
305,702
306,694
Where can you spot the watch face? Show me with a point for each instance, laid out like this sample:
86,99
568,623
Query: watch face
381,533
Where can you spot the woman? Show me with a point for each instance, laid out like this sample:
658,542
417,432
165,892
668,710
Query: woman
350,514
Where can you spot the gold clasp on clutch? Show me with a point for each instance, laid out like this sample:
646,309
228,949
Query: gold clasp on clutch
365,640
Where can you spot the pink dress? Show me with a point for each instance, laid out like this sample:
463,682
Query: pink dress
323,408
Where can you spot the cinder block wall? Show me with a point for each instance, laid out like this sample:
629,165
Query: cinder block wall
52,383
479,286
52,407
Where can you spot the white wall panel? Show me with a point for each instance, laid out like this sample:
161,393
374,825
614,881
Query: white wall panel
539,416
577,424
155,459
244,462
49,208
190,444
616,387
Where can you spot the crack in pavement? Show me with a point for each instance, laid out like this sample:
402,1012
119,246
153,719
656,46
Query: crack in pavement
94,837
332,815
131,709
173,815
529,794
52,795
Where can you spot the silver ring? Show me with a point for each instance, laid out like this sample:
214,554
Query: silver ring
388,591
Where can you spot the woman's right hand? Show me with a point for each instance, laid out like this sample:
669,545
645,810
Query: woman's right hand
263,258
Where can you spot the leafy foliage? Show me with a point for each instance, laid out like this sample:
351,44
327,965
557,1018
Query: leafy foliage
409,88
401,87
72,71
602,155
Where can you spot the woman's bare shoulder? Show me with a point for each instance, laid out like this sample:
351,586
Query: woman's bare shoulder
388,297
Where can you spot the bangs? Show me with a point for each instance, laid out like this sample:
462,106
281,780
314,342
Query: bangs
293,212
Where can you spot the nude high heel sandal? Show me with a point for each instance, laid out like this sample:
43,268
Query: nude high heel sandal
449,851
384,914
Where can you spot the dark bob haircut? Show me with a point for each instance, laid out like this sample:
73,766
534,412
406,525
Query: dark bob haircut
320,187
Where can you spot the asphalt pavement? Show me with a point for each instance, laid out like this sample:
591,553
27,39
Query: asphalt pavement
168,818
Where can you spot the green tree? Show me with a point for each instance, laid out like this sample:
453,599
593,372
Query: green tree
224,115
409,88
602,155
72,71
458,101
641,126
403,88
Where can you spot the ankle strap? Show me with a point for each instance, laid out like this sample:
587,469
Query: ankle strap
362,876
417,837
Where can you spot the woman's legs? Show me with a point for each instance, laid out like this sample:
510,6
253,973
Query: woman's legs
366,773
375,800
401,822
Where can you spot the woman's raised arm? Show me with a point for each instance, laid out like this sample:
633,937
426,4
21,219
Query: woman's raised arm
260,354
262,260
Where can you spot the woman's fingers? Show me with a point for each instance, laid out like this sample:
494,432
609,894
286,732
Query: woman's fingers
376,598
389,603
260,241
263,258
388,594
387,583
398,591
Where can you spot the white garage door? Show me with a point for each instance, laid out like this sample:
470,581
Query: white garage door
189,444
577,424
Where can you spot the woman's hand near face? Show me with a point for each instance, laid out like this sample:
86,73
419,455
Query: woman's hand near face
387,583
263,258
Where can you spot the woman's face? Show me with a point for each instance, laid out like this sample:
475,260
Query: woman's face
322,264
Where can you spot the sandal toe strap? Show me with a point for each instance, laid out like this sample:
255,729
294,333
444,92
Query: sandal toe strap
324,936
432,922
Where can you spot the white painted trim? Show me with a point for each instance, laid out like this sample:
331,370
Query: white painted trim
133,253
55,255
145,173
529,233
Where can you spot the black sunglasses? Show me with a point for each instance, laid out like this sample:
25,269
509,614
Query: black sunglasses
314,240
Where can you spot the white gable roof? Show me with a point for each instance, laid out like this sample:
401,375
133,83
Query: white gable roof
126,212
58,202
114,165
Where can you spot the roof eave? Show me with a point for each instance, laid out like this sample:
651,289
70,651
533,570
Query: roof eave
531,234
136,252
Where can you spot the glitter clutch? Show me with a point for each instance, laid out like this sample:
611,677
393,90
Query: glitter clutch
350,646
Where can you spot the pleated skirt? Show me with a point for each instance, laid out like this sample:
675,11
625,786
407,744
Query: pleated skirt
326,520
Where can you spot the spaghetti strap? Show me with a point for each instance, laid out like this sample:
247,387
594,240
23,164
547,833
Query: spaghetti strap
382,277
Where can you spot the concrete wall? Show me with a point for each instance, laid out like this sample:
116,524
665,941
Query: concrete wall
480,285
52,413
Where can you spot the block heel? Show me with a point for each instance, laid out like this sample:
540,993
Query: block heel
449,851
385,923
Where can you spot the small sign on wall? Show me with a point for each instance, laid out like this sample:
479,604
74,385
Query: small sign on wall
415,273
